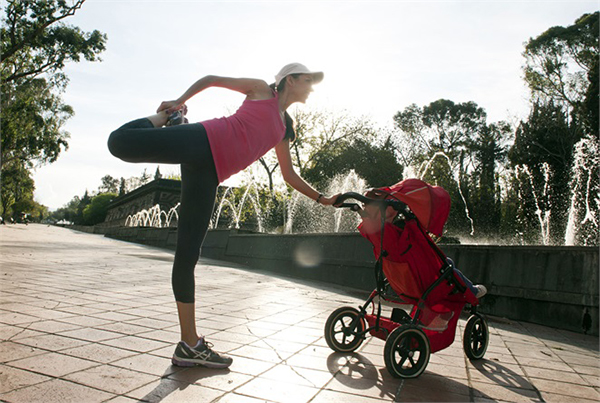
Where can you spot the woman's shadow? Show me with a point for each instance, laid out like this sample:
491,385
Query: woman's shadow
176,378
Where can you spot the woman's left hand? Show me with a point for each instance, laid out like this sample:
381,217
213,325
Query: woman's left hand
328,201
170,107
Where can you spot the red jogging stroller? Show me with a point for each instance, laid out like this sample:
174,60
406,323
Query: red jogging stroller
412,275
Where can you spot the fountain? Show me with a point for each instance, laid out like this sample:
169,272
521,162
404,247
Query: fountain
304,216
582,224
542,214
228,200
152,217
455,176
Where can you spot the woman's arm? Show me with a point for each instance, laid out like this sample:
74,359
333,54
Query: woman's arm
293,179
252,88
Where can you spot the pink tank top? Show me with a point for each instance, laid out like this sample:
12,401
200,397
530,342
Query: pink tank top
242,138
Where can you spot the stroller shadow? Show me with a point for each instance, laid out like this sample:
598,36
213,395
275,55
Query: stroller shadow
357,372
175,378
501,375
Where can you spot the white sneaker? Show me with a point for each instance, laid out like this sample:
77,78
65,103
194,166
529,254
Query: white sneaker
481,290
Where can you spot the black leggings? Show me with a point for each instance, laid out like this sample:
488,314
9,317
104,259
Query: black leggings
187,144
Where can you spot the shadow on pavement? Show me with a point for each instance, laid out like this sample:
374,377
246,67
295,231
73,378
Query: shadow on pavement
501,375
176,379
357,372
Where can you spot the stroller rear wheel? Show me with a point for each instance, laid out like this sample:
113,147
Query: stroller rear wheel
342,328
476,337
406,352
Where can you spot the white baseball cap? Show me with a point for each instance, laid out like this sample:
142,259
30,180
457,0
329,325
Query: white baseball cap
297,68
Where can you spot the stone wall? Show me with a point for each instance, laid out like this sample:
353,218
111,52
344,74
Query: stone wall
164,192
553,286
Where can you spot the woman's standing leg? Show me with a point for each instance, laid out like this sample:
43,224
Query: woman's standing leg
198,193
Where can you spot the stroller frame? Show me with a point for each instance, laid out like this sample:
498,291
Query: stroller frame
407,348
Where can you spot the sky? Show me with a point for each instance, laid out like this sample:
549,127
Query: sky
378,58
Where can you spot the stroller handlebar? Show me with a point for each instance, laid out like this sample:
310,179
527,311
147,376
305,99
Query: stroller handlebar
340,201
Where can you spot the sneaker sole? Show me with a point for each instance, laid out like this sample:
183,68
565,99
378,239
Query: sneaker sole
179,362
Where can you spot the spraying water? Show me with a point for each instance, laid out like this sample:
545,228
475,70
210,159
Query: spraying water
153,217
585,196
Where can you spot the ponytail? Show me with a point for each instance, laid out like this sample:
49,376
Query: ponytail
290,133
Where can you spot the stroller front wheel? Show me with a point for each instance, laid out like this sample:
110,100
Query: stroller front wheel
342,329
406,353
476,337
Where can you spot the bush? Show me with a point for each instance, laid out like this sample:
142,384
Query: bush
95,212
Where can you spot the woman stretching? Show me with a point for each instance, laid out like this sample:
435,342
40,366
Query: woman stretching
210,152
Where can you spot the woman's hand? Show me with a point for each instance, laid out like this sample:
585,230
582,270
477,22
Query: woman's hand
169,106
328,201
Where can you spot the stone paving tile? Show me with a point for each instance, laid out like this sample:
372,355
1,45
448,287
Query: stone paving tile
98,353
280,391
111,379
10,351
53,364
14,378
167,390
147,363
73,328
211,378
52,342
56,391
135,343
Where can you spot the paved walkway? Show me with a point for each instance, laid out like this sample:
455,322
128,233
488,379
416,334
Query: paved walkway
88,319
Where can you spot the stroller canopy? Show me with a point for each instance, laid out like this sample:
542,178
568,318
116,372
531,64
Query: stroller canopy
430,204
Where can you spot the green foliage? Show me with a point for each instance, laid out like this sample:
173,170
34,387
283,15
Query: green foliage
109,185
250,207
544,144
69,212
441,126
561,66
376,164
319,132
17,185
36,42
95,212
451,145
32,117
36,45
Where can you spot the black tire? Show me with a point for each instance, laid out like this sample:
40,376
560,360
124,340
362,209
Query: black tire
406,352
341,329
476,337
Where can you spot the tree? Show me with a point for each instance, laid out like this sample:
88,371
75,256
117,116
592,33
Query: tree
17,185
544,145
83,203
36,45
442,126
485,194
562,64
451,145
95,212
319,133
562,72
375,163
36,42
109,185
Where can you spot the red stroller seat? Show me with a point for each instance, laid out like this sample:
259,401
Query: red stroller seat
396,220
